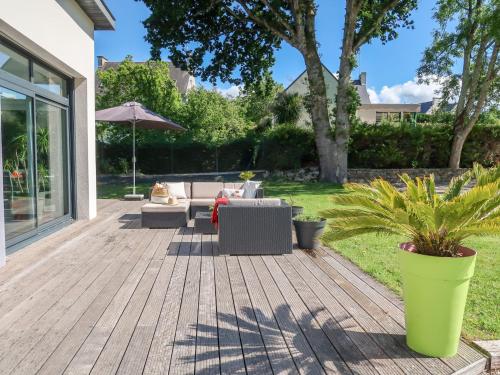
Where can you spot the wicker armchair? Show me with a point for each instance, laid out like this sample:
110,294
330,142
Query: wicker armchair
255,230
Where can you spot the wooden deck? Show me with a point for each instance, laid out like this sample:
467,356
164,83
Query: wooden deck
106,297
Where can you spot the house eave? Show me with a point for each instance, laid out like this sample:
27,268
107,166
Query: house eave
99,13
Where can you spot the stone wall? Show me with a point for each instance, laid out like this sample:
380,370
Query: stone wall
442,175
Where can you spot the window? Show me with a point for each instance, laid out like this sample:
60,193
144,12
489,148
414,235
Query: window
13,63
387,117
35,129
49,80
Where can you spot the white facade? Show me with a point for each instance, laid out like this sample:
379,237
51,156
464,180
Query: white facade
61,35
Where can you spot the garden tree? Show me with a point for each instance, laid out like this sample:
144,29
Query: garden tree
364,21
257,100
287,108
214,38
212,119
148,83
468,35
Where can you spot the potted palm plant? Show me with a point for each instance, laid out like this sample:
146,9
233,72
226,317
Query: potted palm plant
435,265
308,229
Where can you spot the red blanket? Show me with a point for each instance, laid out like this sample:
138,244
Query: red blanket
215,212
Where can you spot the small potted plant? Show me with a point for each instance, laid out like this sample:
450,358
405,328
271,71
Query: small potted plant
296,210
247,175
308,229
435,265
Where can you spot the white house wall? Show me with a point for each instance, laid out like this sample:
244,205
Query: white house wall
61,34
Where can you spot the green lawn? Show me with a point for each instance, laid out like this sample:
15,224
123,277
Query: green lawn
376,255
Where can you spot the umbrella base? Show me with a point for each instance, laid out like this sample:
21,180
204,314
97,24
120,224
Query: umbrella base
133,197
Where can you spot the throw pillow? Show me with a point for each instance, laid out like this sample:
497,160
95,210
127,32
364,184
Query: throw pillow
176,189
231,193
250,188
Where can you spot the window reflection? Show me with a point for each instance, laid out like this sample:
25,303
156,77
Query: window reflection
49,80
13,63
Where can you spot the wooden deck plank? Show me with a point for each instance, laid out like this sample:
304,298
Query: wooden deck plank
277,350
30,310
207,344
326,353
349,352
184,350
389,341
107,296
230,349
254,350
160,352
87,355
111,356
38,342
69,346
304,357
348,325
134,360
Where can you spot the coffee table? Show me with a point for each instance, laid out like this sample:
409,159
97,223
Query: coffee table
203,223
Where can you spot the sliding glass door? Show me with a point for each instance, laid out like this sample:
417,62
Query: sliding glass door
51,162
34,123
19,194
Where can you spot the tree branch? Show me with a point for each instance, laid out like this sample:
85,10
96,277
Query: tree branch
361,39
278,16
262,22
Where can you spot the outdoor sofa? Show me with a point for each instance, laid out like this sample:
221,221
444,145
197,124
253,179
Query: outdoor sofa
200,196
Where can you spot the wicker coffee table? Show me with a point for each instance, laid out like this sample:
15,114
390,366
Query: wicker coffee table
203,223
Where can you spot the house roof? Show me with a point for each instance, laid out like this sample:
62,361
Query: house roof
362,92
99,13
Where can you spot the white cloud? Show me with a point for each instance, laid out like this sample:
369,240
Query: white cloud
409,92
230,92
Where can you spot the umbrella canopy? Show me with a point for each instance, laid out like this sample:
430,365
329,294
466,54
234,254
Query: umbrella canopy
136,115
128,113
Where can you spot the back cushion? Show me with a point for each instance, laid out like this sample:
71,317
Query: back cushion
233,185
206,189
187,188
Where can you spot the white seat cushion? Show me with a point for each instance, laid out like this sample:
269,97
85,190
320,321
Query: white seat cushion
202,202
206,189
183,206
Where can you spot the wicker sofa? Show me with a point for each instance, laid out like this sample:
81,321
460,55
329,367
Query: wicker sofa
255,226
200,195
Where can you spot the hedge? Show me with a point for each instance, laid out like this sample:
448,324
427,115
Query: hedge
290,147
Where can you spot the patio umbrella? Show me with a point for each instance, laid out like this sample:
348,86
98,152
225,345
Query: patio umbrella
136,115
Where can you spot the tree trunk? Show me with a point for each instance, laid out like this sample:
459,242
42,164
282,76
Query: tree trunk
342,120
319,116
318,101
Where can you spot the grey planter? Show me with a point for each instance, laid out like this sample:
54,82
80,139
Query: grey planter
308,233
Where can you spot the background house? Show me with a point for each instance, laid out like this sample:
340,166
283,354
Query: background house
183,80
433,106
367,112
47,95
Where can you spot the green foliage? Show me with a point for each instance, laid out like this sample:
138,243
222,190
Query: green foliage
286,147
212,119
436,224
148,83
247,175
463,27
287,108
257,101
308,218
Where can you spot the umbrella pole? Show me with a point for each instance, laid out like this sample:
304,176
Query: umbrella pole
133,154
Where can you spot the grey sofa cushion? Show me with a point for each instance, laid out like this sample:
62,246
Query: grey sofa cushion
266,202
206,189
202,202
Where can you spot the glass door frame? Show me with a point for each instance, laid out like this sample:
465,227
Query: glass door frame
35,92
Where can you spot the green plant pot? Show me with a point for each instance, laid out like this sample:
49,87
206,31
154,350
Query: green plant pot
435,291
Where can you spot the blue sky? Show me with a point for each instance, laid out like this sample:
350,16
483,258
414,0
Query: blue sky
390,68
